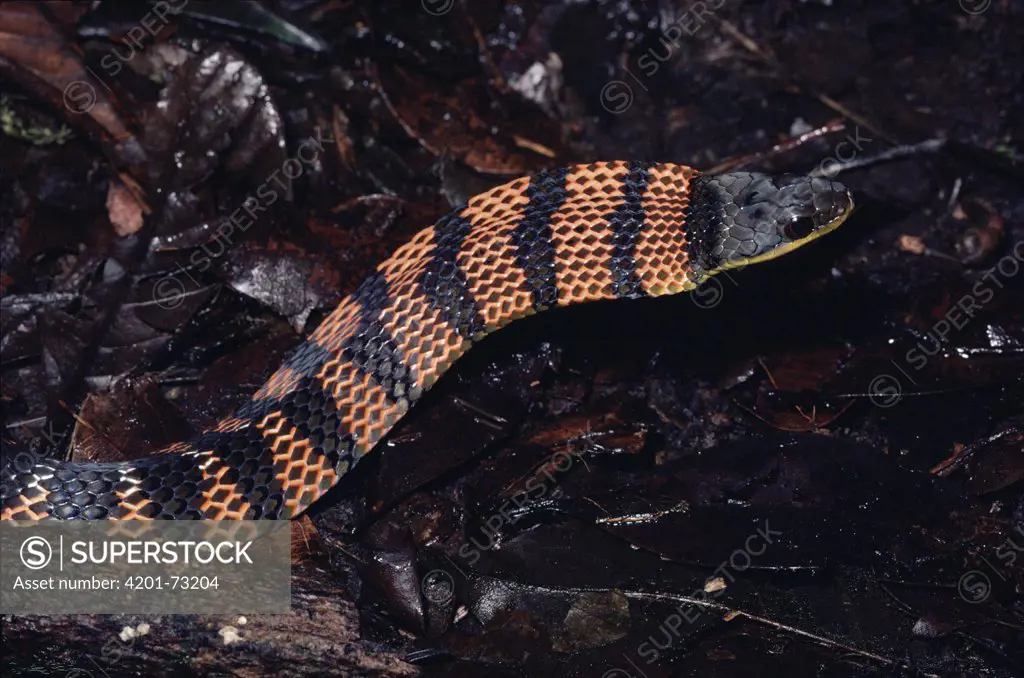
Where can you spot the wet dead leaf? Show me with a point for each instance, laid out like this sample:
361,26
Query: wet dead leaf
126,423
447,118
124,209
43,60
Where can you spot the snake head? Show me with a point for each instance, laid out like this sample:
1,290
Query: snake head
742,218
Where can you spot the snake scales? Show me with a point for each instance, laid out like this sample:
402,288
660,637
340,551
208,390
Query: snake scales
582,233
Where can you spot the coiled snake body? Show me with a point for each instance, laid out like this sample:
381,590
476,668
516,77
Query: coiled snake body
582,233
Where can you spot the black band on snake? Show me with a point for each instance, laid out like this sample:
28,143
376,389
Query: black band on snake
584,233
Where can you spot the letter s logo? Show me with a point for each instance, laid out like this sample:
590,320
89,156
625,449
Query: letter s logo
36,553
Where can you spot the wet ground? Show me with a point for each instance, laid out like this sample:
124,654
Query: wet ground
811,467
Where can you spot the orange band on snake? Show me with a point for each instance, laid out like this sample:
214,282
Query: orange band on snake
612,230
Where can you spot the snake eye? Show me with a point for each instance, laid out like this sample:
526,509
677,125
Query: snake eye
799,228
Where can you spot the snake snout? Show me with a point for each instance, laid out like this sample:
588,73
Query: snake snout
831,200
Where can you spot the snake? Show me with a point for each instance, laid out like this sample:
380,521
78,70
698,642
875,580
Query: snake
580,233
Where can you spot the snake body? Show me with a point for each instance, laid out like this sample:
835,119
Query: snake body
611,230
